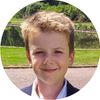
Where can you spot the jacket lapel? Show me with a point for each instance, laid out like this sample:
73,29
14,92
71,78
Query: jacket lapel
71,89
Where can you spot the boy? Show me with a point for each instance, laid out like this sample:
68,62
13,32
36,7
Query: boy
49,42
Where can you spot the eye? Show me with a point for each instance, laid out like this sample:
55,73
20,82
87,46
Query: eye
38,52
58,52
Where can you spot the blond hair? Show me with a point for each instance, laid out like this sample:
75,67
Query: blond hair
48,21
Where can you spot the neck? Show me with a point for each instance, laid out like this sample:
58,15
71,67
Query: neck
49,91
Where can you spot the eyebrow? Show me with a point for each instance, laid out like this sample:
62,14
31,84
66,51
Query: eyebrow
59,48
53,48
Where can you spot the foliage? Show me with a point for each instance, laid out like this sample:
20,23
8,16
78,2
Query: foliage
84,26
86,40
53,5
12,37
15,21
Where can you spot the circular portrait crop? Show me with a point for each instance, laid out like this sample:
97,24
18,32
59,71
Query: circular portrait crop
50,49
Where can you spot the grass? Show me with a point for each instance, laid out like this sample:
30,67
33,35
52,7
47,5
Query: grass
15,56
87,56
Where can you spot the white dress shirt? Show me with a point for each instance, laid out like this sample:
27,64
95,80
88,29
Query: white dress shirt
62,93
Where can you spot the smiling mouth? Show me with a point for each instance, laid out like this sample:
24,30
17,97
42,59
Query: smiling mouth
49,70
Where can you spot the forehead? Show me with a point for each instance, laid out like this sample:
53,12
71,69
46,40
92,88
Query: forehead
48,40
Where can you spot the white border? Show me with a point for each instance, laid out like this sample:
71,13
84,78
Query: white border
8,8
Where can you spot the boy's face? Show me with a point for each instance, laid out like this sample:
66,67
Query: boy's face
50,58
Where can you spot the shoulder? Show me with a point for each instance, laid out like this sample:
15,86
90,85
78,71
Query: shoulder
27,90
71,89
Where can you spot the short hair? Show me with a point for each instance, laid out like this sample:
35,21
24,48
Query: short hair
48,21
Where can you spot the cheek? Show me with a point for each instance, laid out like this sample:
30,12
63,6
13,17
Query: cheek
36,62
64,59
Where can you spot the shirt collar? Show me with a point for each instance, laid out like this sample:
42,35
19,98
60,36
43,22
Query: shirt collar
34,94
62,94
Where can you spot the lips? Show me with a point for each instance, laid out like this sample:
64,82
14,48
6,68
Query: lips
49,70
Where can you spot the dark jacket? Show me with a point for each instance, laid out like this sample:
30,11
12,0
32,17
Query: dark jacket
70,89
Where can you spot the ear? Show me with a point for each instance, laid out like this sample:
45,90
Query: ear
71,58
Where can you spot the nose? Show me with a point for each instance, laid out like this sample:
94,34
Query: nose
48,59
